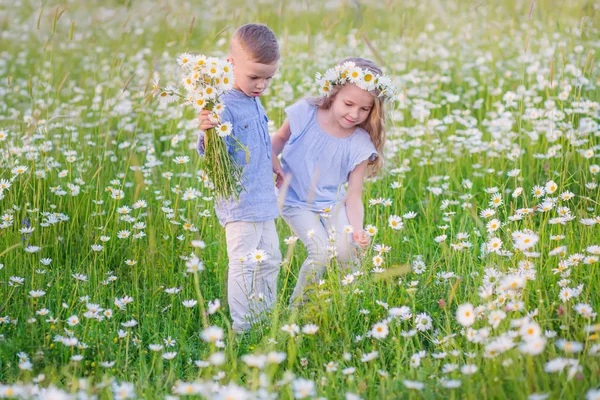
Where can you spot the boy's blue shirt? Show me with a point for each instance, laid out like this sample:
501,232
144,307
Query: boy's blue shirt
257,202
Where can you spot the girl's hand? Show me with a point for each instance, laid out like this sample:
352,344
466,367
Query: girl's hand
277,170
204,120
361,238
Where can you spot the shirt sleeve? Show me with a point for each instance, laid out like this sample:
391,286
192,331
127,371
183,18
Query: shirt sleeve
225,117
363,150
299,115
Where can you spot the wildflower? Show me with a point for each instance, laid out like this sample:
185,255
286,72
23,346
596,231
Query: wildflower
409,215
310,329
524,240
380,330
189,303
194,265
155,347
224,129
303,388
18,170
370,230
538,191
274,357
181,160
369,356
569,346
494,245
290,240
330,366
468,369
348,279
258,256
465,315
533,346
73,320
487,213
123,390
377,260
292,329
395,222
423,322
413,385
213,306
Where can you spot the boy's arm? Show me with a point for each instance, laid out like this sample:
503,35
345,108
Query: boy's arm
354,206
205,124
200,144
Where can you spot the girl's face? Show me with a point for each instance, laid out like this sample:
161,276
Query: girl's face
351,106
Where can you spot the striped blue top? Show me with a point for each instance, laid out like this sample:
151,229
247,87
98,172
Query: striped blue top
319,164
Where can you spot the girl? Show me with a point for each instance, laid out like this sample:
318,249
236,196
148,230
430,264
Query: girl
326,142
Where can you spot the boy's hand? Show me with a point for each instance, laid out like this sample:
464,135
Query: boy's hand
361,238
277,170
204,120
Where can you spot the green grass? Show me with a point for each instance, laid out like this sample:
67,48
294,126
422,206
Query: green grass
82,81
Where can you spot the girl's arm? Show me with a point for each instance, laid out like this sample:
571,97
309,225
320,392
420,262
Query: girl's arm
280,138
278,141
354,206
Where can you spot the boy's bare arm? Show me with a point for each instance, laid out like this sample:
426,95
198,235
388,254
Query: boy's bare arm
205,122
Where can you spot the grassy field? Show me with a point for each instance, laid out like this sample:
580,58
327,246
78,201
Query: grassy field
489,289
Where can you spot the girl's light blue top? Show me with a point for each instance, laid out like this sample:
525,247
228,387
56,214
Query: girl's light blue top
258,201
319,164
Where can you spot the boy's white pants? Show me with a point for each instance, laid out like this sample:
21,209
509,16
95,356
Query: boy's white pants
322,237
251,286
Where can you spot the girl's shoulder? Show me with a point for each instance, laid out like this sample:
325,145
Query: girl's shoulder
301,106
361,136
299,115
362,148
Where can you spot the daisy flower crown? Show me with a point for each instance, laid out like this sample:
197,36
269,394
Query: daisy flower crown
363,78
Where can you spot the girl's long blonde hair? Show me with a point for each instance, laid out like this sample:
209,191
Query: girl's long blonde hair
375,122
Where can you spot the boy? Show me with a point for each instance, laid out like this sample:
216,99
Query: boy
252,242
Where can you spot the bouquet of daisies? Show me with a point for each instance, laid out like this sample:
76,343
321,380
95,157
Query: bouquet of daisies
205,79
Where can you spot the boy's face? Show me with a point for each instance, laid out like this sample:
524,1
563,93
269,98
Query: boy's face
251,77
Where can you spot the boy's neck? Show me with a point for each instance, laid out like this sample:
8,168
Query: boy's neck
241,92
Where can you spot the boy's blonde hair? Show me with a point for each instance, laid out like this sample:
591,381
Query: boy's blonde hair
259,42
375,122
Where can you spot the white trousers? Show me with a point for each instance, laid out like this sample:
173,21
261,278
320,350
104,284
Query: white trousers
323,237
251,286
